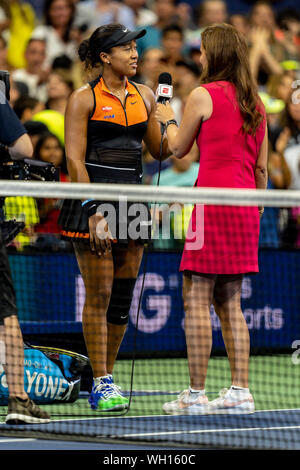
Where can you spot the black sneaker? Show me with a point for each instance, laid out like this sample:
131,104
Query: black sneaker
25,412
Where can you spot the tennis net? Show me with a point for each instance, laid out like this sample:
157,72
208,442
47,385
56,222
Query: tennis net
177,320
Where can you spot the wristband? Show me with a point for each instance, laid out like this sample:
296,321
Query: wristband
90,206
171,121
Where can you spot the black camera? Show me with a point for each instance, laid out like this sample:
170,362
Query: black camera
26,169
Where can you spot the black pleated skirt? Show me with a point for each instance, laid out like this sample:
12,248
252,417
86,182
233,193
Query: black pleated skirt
126,220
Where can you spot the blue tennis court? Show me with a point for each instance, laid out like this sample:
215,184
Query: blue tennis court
271,429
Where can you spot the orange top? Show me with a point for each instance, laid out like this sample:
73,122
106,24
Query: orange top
114,125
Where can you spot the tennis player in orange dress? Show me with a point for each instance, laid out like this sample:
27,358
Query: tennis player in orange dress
107,121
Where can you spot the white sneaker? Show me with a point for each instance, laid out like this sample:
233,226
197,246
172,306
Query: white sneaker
187,404
232,403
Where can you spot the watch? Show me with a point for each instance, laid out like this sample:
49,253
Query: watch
171,121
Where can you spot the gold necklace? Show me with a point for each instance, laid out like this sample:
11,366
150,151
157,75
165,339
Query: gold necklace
118,94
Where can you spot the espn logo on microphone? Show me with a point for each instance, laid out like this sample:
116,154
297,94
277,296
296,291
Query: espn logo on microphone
164,91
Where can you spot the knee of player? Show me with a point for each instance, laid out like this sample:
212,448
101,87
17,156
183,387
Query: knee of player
98,298
120,301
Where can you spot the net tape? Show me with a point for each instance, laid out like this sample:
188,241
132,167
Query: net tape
145,193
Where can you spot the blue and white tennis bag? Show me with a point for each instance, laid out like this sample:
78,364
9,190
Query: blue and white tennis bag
50,375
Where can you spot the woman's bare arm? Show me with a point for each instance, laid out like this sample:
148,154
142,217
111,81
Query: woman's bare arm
199,106
78,110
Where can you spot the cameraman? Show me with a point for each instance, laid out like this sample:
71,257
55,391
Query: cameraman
21,409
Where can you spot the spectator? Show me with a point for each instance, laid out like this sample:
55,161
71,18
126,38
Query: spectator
110,11
280,86
22,23
26,107
3,54
279,89
62,62
142,15
288,142
266,52
279,177
150,66
182,172
184,16
186,78
59,88
17,20
35,74
17,90
172,41
288,31
83,16
274,108
5,18
288,145
165,11
212,12
241,23
207,13
187,74
56,30
49,149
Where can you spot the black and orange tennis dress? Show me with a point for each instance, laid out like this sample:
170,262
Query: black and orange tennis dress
114,155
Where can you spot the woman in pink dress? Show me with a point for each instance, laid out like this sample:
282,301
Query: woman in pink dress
227,119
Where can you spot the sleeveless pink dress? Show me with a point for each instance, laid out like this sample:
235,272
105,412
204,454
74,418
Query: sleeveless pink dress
224,239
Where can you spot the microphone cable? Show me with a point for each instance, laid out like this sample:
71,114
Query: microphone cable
164,80
143,283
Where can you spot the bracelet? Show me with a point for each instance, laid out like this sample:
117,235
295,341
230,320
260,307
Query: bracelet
171,121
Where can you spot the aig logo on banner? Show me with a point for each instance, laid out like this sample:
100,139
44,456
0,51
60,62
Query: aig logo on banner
158,302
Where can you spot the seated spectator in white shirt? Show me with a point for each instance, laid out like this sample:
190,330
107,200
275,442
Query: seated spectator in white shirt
35,74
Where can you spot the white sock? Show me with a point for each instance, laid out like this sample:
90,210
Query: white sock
235,390
199,392
97,380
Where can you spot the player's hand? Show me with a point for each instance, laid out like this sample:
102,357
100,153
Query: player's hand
100,235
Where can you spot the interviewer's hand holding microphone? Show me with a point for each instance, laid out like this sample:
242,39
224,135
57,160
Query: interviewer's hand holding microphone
164,112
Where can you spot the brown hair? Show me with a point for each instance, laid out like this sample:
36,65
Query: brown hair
47,17
227,60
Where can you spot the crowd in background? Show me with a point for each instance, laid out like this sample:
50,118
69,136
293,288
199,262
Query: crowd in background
38,46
